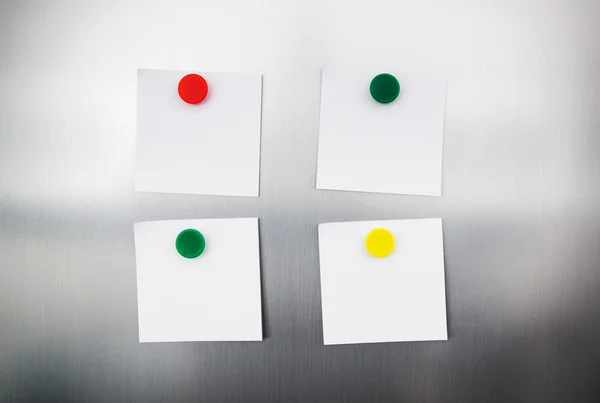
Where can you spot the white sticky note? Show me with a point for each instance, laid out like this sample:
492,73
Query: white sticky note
214,297
366,146
211,148
400,297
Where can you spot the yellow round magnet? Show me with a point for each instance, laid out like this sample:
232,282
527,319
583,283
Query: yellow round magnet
379,242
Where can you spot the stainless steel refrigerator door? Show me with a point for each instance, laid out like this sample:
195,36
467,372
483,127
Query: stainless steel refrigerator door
520,195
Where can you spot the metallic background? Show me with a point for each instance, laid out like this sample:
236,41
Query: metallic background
521,188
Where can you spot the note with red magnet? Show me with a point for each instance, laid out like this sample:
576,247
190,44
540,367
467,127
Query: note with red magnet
382,281
381,132
198,133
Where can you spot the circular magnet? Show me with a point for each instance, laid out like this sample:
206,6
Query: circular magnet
192,89
379,242
190,243
384,88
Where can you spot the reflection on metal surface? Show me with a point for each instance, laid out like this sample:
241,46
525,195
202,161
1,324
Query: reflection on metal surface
521,223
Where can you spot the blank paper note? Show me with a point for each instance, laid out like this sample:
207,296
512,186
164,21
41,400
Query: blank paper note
211,148
367,146
213,297
367,299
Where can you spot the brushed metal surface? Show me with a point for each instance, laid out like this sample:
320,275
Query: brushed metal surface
521,222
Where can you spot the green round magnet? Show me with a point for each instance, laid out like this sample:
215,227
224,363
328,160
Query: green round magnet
384,88
190,243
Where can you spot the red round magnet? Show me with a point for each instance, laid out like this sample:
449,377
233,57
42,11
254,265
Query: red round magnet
193,88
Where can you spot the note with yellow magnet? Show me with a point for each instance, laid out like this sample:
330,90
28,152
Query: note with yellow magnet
382,281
